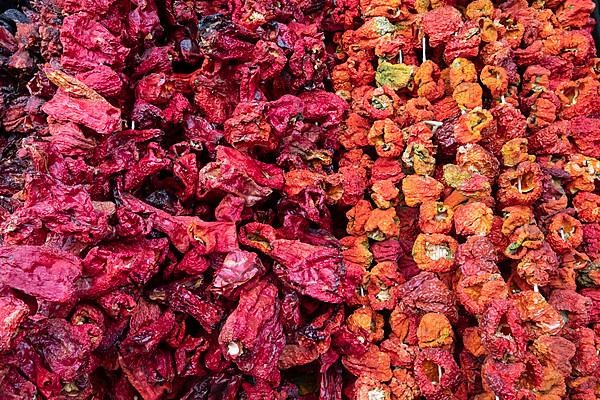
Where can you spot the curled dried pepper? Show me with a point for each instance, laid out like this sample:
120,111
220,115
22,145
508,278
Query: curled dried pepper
437,373
588,206
428,81
435,217
13,312
524,238
254,347
468,95
475,292
555,352
573,306
514,152
539,317
470,125
384,193
416,110
434,330
425,293
574,13
516,216
403,385
565,233
475,159
440,24
477,255
472,341
387,168
538,266
583,172
383,285
382,224
489,30
379,103
355,133
418,189
357,217
374,364
521,185
418,157
394,76
479,8
366,323
354,72
465,43
248,127
474,218
404,325
387,138
508,380
502,333
366,387
461,70
434,252
495,79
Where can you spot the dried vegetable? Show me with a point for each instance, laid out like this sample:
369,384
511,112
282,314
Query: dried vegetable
260,199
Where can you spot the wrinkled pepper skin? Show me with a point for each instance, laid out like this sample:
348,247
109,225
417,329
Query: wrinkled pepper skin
300,199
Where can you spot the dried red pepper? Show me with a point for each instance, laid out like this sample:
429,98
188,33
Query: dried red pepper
255,199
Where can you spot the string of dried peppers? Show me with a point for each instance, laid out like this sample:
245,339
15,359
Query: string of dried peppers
304,199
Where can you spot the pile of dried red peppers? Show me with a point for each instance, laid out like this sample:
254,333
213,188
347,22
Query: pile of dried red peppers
304,199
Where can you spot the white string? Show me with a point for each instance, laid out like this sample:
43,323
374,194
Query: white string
563,236
434,125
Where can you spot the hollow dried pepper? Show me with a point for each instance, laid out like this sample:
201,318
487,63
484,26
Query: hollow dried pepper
374,364
521,185
475,292
435,331
435,217
387,138
564,233
434,252
473,218
501,331
470,125
437,373
257,199
418,189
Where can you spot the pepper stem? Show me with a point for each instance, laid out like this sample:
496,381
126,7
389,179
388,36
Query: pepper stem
519,188
424,48
439,373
